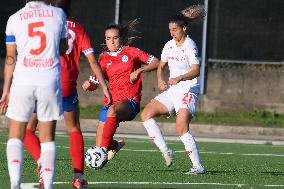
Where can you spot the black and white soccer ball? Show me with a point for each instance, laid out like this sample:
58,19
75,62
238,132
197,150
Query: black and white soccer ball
96,157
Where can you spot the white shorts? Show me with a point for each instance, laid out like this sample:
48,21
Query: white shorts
23,99
175,98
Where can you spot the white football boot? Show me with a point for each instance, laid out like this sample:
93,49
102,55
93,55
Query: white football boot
169,156
196,171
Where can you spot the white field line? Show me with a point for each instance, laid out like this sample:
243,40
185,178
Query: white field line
202,152
172,139
182,151
201,139
130,138
33,185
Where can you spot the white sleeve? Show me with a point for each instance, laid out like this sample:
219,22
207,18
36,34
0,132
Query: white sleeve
192,54
164,55
10,36
64,32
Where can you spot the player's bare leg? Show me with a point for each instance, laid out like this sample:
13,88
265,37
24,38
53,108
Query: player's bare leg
99,133
31,141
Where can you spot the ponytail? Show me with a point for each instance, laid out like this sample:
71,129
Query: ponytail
128,30
193,12
189,14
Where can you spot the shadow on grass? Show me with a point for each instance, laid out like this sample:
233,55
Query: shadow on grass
221,172
273,173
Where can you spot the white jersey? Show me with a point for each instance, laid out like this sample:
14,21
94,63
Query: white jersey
180,60
37,30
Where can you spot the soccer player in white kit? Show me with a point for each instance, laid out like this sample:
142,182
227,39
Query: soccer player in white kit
181,90
35,38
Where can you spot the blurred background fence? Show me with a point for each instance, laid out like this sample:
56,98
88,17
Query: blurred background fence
243,56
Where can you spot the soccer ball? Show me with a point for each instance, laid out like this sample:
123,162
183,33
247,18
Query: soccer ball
96,157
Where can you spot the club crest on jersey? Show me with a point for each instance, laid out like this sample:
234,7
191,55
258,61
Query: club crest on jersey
124,58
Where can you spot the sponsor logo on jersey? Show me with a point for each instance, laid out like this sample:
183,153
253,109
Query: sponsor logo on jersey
109,63
38,63
177,59
124,58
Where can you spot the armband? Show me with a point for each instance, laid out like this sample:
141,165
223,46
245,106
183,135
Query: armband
94,80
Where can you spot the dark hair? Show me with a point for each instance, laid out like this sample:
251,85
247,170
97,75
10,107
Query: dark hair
189,14
64,4
126,31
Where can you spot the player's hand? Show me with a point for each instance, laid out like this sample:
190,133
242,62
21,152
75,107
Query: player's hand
107,95
162,85
4,103
174,81
89,86
134,75
86,84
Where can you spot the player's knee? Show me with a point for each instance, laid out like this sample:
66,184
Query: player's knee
73,128
145,115
111,112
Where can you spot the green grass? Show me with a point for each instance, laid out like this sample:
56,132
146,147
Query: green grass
256,118
230,165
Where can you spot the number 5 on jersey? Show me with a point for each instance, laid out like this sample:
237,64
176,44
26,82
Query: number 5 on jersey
33,33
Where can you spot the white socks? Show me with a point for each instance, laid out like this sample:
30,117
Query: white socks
155,134
15,161
48,158
191,148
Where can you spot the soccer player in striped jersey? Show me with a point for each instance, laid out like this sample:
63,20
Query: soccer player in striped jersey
122,66
35,37
78,41
181,90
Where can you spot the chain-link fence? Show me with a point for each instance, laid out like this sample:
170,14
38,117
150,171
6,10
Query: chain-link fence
251,30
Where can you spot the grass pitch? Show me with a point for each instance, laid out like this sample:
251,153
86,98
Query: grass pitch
140,165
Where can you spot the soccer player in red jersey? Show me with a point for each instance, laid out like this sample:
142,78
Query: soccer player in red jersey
78,41
122,66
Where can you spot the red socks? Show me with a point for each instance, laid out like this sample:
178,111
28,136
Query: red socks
77,151
32,144
108,132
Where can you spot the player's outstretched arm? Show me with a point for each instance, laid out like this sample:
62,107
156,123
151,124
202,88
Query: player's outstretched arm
99,74
149,67
10,63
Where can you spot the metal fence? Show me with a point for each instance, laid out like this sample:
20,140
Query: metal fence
235,31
